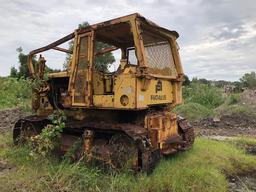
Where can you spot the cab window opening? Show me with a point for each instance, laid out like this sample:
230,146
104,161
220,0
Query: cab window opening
158,54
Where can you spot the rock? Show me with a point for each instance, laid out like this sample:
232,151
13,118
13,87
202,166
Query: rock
216,119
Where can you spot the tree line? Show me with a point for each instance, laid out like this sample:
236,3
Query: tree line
248,80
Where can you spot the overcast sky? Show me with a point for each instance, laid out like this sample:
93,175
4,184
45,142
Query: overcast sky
217,37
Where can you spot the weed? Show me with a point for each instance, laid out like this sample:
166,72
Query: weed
203,94
237,110
233,99
200,169
193,111
15,93
47,140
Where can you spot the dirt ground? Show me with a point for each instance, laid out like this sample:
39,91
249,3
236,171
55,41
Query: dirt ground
230,126
238,124
9,117
227,125
241,183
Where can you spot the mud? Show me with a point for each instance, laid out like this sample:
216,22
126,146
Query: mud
241,183
251,150
227,125
9,117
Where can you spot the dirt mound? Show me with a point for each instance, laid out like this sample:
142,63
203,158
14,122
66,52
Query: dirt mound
227,125
9,117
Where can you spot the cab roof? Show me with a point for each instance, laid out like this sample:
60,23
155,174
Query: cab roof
128,18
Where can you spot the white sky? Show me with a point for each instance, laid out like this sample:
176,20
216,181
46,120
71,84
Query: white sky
217,37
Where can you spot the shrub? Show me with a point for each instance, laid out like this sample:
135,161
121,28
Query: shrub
206,95
233,99
193,111
249,80
15,92
47,140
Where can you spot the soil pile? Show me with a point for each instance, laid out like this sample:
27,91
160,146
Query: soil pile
248,97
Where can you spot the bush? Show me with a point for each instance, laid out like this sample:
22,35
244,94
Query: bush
249,80
48,139
206,95
15,93
233,99
193,111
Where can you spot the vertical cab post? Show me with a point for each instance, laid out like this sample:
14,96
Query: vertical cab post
80,79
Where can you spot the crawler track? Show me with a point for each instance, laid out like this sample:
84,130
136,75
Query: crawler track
110,143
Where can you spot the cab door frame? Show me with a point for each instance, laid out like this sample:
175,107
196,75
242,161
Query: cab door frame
80,83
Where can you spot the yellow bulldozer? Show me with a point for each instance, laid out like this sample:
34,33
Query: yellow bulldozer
123,116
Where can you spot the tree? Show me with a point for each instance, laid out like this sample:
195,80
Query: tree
249,80
23,60
71,46
14,72
186,81
221,83
23,68
238,86
101,61
202,81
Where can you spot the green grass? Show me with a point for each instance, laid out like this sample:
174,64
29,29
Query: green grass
199,104
237,109
15,93
242,142
245,140
200,169
200,100
193,111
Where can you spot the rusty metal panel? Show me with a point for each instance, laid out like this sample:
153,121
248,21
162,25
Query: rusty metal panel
161,126
81,73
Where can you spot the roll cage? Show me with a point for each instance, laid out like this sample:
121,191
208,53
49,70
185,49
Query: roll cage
132,38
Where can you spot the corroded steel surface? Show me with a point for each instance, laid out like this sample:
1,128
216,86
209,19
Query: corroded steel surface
109,151
187,132
23,126
122,116
130,129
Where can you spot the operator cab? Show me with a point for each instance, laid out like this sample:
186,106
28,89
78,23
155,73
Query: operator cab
143,70
118,40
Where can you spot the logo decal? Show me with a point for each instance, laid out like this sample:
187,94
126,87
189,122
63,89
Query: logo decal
158,86
158,97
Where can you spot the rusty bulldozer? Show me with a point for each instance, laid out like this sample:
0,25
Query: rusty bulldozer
123,117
